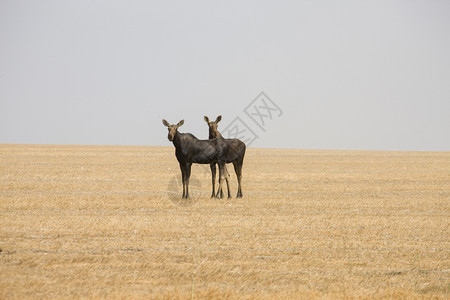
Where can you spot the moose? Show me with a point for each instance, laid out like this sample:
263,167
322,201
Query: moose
235,155
189,150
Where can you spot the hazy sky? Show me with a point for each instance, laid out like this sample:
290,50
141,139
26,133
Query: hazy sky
339,74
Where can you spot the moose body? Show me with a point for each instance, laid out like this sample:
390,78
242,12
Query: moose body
192,150
189,150
235,154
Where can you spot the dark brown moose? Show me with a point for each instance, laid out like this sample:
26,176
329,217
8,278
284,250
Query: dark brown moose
189,150
235,155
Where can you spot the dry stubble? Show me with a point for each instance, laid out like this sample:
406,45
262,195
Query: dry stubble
86,221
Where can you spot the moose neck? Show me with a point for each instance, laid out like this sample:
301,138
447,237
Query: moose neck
176,140
214,134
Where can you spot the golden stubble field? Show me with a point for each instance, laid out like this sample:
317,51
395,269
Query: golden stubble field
108,222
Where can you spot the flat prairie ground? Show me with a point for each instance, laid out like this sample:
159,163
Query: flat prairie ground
109,222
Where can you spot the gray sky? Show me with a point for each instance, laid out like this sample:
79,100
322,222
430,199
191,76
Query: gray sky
344,74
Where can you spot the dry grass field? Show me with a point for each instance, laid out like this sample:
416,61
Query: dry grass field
108,222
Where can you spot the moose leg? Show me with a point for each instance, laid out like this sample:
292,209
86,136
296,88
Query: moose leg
219,187
238,169
183,177
188,175
221,176
227,176
219,193
213,178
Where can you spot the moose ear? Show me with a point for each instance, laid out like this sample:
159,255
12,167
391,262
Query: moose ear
218,119
180,123
166,123
206,119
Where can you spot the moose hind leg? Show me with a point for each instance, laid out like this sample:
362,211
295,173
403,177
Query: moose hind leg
238,169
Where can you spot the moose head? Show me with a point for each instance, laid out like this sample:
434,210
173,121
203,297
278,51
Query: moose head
213,133
172,129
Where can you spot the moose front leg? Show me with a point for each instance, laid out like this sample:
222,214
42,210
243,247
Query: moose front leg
213,179
221,177
183,177
188,175
227,176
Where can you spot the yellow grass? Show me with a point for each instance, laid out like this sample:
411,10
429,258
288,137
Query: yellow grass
108,222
